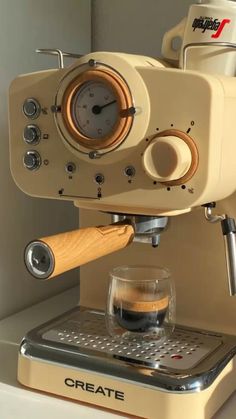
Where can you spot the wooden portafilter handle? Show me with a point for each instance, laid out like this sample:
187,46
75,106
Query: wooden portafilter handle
51,256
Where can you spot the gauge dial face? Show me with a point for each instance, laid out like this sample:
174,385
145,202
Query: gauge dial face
95,109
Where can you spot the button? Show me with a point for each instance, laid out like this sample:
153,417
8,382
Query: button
32,134
129,171
70,167
32,160
31,108
99,178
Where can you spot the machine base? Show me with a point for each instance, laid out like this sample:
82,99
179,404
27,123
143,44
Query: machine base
154,381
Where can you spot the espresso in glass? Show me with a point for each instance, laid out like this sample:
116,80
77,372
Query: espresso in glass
141,302
138,315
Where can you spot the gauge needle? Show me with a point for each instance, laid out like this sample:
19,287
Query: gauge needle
96,109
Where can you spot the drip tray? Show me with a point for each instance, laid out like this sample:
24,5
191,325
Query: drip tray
87,330
188,360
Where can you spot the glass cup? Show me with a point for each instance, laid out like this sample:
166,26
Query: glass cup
141,303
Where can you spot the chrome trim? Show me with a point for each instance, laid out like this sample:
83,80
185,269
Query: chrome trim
60,55
37,131
38,160
230,247
79,70
204,44
147,228
37,105
36,347
46,252
230,255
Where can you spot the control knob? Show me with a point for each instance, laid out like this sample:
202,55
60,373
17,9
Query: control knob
171,158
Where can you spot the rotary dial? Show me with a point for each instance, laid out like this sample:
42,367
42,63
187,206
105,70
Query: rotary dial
171,158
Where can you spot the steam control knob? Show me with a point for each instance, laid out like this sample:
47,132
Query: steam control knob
32,134
32,160
170,158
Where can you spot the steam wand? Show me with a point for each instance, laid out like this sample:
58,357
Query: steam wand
229,230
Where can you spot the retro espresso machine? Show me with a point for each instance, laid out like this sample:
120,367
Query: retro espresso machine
131,136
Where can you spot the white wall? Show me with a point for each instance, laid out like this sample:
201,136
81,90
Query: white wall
24,26
191,248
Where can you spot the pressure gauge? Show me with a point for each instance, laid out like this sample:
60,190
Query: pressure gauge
97,109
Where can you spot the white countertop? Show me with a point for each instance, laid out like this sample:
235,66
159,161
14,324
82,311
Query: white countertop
17,402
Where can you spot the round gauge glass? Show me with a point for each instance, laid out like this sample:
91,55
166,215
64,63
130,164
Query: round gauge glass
95,110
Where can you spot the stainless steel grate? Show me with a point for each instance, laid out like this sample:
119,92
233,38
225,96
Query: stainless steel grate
86,330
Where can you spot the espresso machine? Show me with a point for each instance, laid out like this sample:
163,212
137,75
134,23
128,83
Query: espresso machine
137,138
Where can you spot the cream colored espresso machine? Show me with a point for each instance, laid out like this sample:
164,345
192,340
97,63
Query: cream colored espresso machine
137,138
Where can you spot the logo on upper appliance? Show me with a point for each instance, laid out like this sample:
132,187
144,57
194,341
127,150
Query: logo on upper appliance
210,24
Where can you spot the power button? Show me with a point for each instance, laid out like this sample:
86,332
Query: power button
31,108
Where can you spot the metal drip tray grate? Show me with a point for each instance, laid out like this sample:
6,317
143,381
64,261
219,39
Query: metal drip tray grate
86,330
